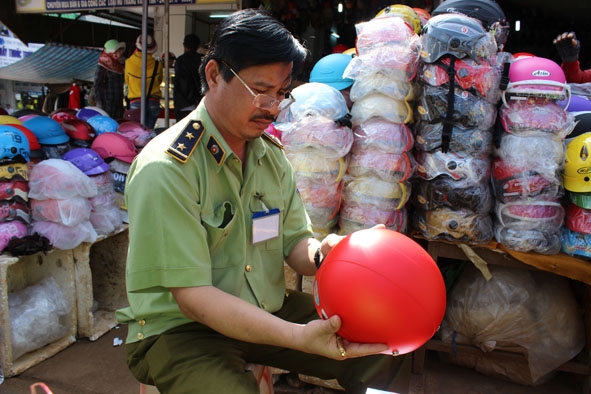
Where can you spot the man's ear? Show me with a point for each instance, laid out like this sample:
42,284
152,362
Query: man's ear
212,73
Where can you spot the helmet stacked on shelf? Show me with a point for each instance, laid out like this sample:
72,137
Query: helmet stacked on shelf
576,234
460,75
527,179
316,132
381,163
14,188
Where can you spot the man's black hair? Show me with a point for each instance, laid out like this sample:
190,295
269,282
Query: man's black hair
252,37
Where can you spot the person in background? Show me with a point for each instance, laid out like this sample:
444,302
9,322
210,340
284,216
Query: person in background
329,70
205,275
75,96
568,48
187,83
154,76
108,80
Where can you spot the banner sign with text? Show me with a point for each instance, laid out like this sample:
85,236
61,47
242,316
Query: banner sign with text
36,6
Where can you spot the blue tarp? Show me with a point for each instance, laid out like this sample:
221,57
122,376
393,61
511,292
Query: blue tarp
54,63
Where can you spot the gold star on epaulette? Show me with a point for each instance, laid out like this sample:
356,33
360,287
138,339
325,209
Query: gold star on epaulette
186,142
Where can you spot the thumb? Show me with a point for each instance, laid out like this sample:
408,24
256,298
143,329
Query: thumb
335,323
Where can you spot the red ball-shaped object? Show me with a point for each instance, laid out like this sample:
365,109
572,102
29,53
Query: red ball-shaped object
385,287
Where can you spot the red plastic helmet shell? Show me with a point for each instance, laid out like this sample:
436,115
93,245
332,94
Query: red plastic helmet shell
62,114
114,146
578,219
78,129
385,287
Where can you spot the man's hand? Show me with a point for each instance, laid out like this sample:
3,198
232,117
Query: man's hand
567,46
320,337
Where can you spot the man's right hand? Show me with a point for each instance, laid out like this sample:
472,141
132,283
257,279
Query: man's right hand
567,46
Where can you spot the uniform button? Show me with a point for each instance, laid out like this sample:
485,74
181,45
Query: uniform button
248,268
140,336
142,322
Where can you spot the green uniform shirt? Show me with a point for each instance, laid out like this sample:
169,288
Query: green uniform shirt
190,224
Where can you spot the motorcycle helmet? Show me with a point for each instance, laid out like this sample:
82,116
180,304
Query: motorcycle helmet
461,167
62,114
388,167
536,115
317,99
136,132
87,161
454,225
36,151
47,130
355,215
545,216
80,132
578,219
444,192
528,240
536,77
380,105
114,146
384,33
14,190
473,141
14,145
513,182
15,211
582,125
379,134
88,112
423,15
329,70
581,199
8,119
488,12
103,124
456,35
577,164
408,15
376,193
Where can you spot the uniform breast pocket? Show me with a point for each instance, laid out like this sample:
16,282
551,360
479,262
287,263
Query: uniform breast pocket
218,223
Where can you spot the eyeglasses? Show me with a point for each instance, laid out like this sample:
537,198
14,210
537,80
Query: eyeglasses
264,101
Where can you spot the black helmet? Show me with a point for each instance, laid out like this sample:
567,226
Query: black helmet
486,11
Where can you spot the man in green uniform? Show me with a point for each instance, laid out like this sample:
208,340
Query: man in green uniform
214,213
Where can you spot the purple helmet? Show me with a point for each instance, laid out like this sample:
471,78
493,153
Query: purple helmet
87,161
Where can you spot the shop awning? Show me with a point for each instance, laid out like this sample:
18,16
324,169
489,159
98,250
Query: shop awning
53,64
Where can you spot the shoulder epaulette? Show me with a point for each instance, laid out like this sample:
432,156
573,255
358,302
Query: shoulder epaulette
273,139
186,142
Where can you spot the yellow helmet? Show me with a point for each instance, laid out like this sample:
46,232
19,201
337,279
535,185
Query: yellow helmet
577,164
405,12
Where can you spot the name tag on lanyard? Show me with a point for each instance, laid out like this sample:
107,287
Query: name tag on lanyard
265,225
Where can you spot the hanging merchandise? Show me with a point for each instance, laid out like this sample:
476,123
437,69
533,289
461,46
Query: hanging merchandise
454,225
445,192
534,115
473,141
377,133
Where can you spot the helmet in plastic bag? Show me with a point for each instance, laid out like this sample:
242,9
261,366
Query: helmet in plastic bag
136,132
62,114
540,215
114,146
454,225
459,166
528,240
14,190
577,164
103,124
14,145
317,99
47,130
81,133
578,219
534,115
86,113
513,182
488,12
34,145
329,70
474,141
444,192
87,161
408,14
456,35
536,77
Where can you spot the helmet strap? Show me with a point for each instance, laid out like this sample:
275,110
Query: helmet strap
448,121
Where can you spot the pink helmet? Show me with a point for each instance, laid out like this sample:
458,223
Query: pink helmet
537,77
136,132
114,146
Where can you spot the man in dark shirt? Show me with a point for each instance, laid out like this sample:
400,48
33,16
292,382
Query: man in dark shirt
187,85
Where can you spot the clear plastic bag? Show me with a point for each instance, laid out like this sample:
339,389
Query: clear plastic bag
532,310
39,315
59,179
